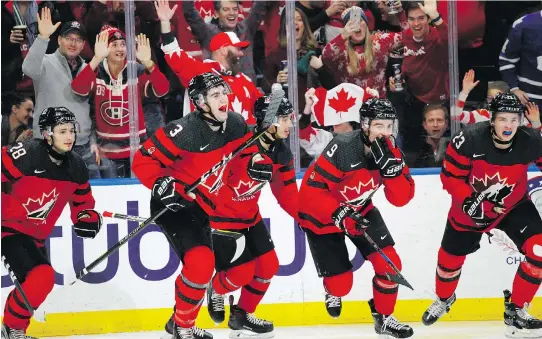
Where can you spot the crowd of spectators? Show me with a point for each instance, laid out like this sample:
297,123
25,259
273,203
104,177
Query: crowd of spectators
73,54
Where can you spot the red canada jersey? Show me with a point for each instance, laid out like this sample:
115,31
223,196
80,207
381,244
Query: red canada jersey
111,104
239,197
345,175
35,190
473,164
243,91
187,148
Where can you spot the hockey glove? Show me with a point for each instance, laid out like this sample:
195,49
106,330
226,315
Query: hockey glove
472,206
349,221
260,168
387,157
171,193
88,224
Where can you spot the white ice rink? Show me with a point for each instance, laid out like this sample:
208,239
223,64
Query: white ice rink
445,330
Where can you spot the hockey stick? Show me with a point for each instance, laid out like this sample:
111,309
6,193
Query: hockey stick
397,277
39,316
238,237
269,120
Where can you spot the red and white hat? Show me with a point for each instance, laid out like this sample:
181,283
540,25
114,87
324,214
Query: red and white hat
224,39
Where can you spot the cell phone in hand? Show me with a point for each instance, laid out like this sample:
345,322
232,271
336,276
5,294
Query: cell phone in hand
355,15
318,51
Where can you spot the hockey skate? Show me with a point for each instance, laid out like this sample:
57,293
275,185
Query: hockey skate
190,333
10,333
215,305
333,305
388,326
437,309
519,323
246,325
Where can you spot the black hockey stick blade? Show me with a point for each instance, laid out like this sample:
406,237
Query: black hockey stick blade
275,99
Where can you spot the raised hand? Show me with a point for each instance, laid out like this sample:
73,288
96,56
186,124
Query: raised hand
468,82
101,47
143,52
430,8
163,11
532,113
45,24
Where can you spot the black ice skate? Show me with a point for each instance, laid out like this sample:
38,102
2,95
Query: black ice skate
333,305
215,305
170,325
10,333
190,333
437,309
519,323
388,326
246,325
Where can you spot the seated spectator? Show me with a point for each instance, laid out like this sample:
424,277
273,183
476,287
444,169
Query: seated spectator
532,113
52,75
15,121
425,69
106,78
520,59
226,49
434,143
308,60
227,13
358,56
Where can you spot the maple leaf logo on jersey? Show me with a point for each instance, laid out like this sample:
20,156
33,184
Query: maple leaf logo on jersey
343,102
41,207
495,188
237,106
245,189
359,194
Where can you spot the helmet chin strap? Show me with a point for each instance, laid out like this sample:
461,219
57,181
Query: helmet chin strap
212,120
53,153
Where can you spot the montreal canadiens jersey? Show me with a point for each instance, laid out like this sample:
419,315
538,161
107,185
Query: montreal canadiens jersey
239,196
473,164
35,190
345,175
187,148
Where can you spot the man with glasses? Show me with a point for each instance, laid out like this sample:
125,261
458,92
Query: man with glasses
52,75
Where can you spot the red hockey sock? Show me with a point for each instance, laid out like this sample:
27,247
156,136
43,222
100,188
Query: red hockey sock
384,290
525,285
38,284
234,278
190,285
339,285
267,266
448,273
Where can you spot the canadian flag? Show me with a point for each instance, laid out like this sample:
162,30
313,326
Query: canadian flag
340,104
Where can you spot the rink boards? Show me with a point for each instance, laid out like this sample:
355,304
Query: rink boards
133,290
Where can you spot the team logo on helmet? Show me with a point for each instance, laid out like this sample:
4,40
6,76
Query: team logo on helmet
114,113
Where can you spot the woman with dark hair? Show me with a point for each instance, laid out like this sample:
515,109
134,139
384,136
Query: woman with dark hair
16,114
309,61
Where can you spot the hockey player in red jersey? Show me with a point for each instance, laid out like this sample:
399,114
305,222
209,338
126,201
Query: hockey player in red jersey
226,49
339,184
485,172
174,157
269,160
39,177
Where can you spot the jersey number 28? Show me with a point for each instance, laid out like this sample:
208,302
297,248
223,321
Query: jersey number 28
17,151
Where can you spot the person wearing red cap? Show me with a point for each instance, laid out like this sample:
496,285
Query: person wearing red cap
106,76
226,49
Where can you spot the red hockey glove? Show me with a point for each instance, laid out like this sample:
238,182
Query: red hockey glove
260,168
89,223
171,193
349,221
388,158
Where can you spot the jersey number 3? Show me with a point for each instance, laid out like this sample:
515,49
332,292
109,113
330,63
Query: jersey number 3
17,151
458,140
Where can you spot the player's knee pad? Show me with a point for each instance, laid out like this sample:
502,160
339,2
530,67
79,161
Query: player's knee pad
240,275
199,264
449,265
267,265
380,265
38,284
533,256
339,285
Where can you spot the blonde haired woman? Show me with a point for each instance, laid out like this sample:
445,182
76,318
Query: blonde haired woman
358,56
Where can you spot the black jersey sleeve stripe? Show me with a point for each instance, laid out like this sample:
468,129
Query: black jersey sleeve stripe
449,174
456,163
161,148
286,168
326,174
289,182
6,173
317,184
82,191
